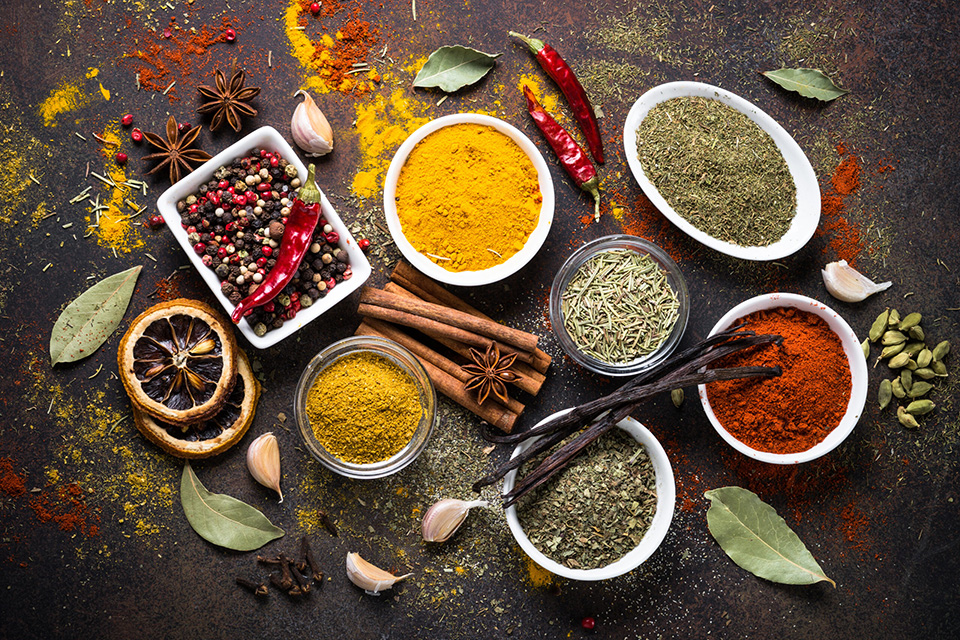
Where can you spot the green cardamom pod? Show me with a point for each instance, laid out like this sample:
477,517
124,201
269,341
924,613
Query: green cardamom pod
906,379
894,319
892,337
919,389
677,397
884,394
899,360
913,348
939,368
912,364
912,320
879,326
864,346
924,358
916,333
941,350
892,350
906,419
924,373
920,407
897,389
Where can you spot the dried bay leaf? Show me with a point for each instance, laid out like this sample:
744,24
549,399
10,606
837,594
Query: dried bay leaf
454,67
758,540
89,320
221,519
810,83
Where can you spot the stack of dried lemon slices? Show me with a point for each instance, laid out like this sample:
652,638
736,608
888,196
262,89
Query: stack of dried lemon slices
192,390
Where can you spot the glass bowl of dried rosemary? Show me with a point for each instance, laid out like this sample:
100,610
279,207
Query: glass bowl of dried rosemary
612,521
365,407
619,305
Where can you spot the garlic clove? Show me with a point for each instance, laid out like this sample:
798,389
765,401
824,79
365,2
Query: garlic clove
263,461
310,128
847,284
371,579
444,518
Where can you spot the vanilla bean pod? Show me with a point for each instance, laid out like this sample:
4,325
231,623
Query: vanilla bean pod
632,397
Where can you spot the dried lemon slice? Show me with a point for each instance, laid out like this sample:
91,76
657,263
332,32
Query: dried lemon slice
215,435
178,361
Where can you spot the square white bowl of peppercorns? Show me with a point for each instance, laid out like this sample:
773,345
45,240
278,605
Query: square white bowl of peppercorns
229,216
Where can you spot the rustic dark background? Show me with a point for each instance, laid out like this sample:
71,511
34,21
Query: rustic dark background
880,513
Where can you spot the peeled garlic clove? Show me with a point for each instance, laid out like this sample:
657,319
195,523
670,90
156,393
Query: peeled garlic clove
371,579
847,284
444,518
263,461
310,128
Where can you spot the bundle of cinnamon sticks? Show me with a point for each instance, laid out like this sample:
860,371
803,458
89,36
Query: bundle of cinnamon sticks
414,304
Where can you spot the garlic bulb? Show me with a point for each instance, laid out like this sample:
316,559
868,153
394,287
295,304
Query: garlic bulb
444,518
263,461
847,284
310,128
371,579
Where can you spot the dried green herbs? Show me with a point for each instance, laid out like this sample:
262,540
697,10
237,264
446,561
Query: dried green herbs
619,307
598,509
718,169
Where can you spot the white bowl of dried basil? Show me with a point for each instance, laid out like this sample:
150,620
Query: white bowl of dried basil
721,170
617,498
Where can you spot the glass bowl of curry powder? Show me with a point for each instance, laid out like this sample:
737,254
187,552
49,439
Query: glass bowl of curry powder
365,407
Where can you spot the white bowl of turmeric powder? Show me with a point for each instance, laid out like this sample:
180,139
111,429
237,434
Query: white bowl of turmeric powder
468,199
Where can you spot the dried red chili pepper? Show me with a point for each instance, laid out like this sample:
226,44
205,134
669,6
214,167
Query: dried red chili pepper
572,156
563,75
298,232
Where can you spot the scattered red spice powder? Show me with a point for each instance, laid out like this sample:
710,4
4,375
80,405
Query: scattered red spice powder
11,483
353,39
67,508
845,239
846,178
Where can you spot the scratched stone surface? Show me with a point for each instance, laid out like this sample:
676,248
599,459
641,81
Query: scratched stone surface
93,540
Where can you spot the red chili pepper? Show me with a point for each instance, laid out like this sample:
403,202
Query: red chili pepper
572,156
563,75
301,222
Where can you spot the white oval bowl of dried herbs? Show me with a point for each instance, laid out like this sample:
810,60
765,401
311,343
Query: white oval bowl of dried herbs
859,376
652,536
777,230
611,282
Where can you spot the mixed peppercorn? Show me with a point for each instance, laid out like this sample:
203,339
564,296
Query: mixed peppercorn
236,222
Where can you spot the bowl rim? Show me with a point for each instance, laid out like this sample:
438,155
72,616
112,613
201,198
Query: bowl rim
485,276
269,138
859,376
396,353
569,269
652,539
805,220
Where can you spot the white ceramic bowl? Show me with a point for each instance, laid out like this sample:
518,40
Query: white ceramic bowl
263,138
851,348
666,501
484,276
808,189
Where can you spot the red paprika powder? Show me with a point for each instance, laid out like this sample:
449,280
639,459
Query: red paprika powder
797,410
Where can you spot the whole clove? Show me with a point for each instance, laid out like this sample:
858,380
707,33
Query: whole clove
307,553
301,585
258,589
327,523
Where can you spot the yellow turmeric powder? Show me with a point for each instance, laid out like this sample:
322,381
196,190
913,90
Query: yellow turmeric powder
363,408
468,197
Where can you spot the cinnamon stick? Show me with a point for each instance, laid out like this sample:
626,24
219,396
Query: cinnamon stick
495,414
530,379
520,340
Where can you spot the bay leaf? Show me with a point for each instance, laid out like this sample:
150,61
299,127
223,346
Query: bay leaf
454,67
759,540
89,320
810,83
222,519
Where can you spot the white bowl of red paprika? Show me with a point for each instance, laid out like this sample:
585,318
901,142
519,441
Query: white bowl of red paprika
266,138
814,405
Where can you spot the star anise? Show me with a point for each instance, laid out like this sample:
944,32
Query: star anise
489,371
174,152
228,101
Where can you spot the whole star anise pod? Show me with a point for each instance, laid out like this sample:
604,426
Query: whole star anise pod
174,152
228,101
489,372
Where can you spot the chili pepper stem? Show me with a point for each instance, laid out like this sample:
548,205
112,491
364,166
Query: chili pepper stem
310,192
532,43
592,187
